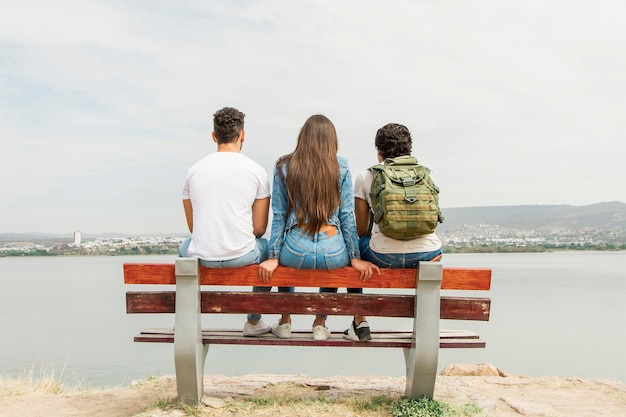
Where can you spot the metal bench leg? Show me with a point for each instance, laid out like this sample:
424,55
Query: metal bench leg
189,352
422,358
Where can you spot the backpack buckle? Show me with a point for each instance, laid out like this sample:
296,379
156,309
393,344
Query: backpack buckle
408,182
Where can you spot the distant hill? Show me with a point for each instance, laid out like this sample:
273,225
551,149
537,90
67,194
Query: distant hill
608,215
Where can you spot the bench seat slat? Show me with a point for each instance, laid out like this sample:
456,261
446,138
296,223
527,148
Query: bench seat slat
347,277
388,333
460,308
381,338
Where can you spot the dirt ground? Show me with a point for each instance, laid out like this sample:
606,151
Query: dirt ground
498,396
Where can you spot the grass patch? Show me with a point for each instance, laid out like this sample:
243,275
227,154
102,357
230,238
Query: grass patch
419,408
191,410
155,382
378,403
377,406
38,379
318,404
432,408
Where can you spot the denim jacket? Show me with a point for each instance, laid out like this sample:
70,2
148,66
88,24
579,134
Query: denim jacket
342,218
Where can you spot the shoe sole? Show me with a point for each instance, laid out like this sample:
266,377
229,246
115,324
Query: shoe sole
356,338
257,333
281,336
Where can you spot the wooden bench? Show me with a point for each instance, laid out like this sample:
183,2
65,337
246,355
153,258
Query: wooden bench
420,344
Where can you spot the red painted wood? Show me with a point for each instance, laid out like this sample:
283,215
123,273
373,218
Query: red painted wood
341,304
150,302
149,273
347,277
387,339
311,302
466,279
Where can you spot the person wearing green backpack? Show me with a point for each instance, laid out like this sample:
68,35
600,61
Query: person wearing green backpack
396,210
397,205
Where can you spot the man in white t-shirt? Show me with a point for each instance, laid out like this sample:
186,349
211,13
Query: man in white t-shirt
392,140
226,198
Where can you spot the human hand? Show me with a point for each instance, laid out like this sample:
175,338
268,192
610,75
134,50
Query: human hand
266,268
365,268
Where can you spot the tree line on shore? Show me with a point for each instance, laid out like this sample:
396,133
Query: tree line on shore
170,249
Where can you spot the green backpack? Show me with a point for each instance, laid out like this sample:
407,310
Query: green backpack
405,201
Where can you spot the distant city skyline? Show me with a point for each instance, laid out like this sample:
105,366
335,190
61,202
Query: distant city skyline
543,219
105,105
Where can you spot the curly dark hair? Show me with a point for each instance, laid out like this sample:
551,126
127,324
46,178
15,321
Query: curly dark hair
393,140
227,123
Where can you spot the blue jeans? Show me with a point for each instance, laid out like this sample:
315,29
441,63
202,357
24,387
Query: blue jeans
255,256
306,250
394,260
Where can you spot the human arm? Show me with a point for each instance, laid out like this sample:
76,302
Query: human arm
188,213
366,269
362,214
345,211
267,268
279,215
279,226
347,214
260,213
362,211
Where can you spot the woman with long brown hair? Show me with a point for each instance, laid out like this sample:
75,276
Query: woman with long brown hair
313,225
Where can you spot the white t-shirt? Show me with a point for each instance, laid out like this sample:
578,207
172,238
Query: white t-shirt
384,244
222,188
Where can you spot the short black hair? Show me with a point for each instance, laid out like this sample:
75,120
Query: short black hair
393,140
227,123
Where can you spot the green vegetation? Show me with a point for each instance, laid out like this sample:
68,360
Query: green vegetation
380,406
35,252
419,408
172,249
377,403
534,248
431,408
169,248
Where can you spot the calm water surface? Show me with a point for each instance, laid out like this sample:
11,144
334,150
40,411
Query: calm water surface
556,313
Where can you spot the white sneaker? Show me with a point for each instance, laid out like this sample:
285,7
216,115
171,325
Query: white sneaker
282,330
256,329
320,333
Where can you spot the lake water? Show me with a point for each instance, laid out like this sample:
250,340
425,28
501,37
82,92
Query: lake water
558,313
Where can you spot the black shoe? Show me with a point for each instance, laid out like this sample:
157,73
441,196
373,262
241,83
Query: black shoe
360,333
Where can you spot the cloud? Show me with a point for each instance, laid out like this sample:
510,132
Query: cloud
104,105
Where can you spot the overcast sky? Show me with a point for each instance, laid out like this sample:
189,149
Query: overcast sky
104,105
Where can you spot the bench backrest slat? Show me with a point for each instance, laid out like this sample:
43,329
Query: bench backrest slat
347,277
460,308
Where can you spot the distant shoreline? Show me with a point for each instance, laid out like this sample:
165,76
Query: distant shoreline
159,250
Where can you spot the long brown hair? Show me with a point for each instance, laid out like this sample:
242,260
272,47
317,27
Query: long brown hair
312,180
